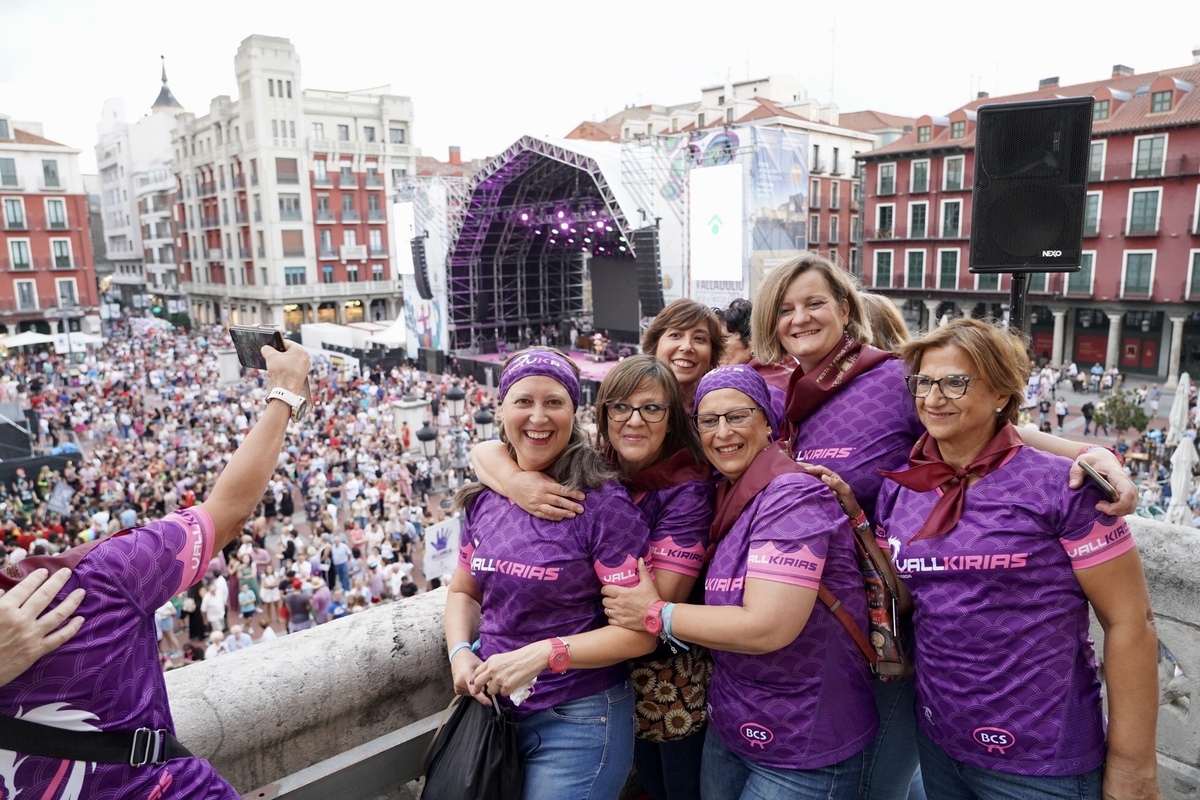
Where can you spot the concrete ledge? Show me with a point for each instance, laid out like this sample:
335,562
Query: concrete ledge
275,709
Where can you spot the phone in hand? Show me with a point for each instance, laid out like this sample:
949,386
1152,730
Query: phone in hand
1098,479
249,342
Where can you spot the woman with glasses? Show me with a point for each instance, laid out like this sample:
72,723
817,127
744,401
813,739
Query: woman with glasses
643,430
848,410
1002,560
791,706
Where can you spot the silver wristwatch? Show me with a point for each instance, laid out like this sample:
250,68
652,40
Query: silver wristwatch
297,403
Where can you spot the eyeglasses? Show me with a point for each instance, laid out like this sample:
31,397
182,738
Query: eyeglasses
737,418
952,387
651,412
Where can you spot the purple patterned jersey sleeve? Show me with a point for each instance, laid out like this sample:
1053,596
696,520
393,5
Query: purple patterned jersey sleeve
679,519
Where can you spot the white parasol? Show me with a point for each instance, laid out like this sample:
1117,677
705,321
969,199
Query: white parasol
1182,462
1178,418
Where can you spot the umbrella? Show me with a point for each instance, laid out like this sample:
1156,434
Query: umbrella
26,338
1182,462
1178,418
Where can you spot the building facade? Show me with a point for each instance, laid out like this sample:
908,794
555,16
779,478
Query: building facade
47,276
285,197
1134,304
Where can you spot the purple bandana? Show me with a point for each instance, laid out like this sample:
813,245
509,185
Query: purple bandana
541,362
744,379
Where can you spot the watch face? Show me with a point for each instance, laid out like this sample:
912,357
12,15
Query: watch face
652,623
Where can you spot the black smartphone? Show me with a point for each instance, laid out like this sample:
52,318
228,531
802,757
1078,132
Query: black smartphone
1097,479
249,342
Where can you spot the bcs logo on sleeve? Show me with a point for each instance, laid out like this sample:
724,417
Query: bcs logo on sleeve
994,739
757,735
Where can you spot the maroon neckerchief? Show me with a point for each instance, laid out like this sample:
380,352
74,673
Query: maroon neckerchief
679,468
777,375
732,498
12,574
927,471
808,391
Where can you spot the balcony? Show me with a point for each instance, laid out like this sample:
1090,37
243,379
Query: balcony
327,252
240,218
58,224
348,181
290,214
211,222
1139,226
293,252
51,183
239,181
213,254
353,252
16,224
835,204
376,215
374,181
10,183
254,180
262,252
258,216
879,233
207,189
814,202
378,252
887,187
63,262
325,215
322,181
288,177
817,167
350,215
244,253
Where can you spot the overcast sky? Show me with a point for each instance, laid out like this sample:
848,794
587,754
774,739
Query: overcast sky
482,74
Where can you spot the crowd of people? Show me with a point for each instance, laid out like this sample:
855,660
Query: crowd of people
670,578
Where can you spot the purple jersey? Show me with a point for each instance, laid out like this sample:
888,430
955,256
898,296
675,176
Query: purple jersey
679,518
1006,677
868,426
109,677
541,579
809,704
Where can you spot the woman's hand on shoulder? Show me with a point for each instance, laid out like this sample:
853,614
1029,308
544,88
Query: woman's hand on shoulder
546,499
626,606
26,633
840,488
1104,462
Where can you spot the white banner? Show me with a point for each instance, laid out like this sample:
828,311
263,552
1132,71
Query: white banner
716,231
441,547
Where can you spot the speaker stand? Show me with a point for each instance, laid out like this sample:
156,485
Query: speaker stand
1018,288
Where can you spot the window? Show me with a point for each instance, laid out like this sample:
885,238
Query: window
958,129
1100,110
271,86
954,173
275,128
1139,275
289,88
350,238
835,194
320,171
352,273
920,177
62,252
347,203
915,272
988,282
885,220
1096,161
8,172
855,263
834,231
1150,150
318,130
947,269
814,193
883,269
67,296
375,239
917,214
343,133
398,175
289,207
327,273
1081,282
26,295
814,229
14,213
346,178
1143,212
295,276
887,179
50,173
924,133
951,219
286,170
18,249
1160,102
4,134
1091,214
396,135
1194,277
293,243
377,272
836,167
816,159
368,133
326,243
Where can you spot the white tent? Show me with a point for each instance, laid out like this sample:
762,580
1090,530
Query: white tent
394,335
1182,462
25,339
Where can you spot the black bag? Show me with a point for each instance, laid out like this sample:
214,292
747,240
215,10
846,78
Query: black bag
474,755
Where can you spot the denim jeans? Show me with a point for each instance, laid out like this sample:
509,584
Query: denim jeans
342,572
580,750
727,776
671,770
947,779
892,771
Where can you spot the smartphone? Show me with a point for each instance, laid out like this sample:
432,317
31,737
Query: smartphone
249,342
1097,479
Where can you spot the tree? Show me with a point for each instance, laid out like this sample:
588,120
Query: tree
1120,413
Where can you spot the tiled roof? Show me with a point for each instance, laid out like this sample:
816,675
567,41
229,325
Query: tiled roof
25,137
596,132
1130,115
870,121
765,110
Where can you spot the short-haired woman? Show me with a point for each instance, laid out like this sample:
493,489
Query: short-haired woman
688,336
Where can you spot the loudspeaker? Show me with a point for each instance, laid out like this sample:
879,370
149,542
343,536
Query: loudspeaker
1031,167
431,360
649,272
421,268
14,442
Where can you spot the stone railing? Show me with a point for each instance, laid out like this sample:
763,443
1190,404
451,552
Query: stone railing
351,704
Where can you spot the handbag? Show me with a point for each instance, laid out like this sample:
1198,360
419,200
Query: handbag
672,692
474,755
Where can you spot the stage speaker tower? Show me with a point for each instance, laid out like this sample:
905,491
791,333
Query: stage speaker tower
421,268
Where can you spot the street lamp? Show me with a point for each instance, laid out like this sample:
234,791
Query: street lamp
484,420
456,398
427,436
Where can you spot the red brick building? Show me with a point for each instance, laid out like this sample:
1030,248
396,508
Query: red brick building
1135,303
46,262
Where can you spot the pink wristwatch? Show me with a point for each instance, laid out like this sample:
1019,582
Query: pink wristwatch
653,621
560,656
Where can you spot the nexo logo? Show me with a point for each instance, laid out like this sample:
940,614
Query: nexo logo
756,734
994,739
1052,254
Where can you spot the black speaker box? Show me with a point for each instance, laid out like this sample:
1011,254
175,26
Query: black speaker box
1031,167
433,361
649,272
421,268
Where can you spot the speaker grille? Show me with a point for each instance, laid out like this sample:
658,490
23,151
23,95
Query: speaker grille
420,268
649,271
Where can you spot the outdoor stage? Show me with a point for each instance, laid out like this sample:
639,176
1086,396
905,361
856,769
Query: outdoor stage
486,365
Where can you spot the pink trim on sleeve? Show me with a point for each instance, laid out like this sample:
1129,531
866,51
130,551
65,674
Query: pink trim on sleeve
198,527
466,551
767,562
681,559
1102,543
624,574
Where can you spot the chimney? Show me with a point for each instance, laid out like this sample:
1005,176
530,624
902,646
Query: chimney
1196,54
981,96
1120,70
1048,83
455,155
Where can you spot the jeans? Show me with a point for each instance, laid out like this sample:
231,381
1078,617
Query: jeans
342,573
892,771
671,770
947,779
727,776
581,749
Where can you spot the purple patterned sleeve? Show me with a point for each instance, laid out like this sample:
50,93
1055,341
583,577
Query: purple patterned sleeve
679,518
619,538
162,558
